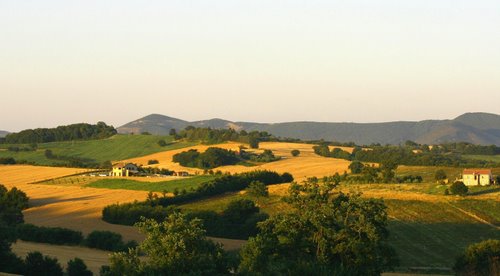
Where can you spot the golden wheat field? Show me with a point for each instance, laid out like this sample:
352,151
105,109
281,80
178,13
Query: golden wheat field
93,258
307,164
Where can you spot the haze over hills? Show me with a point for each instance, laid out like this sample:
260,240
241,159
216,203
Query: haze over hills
477,128
3,133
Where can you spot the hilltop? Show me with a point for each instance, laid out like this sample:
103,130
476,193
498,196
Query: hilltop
476,128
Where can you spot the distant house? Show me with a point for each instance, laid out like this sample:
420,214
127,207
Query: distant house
122,169
472,177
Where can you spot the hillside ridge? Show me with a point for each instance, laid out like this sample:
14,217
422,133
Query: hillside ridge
475,127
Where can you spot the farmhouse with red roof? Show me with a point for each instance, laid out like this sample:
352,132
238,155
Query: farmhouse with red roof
477,177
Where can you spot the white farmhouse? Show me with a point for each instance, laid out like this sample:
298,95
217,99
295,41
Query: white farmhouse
473,177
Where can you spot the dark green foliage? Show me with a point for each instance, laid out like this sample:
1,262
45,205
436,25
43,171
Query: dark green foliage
295,153
145,133
61,133
211,158
154,207
176,246
440,175
162,143
237,221
36,264
77,267
324,150
324,234
266,156
257,188
479,259
356,167
215,136
153,161
12,202
52,235
459,188
107,240
253,142
130,213
7,161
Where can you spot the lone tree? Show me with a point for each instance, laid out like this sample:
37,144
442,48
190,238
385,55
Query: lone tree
356,167
440,175
479,259
253,142
258,189
459,188
176,246
295,153
325,233
77,267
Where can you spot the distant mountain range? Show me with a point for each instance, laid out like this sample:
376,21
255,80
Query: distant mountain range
3,133
477,128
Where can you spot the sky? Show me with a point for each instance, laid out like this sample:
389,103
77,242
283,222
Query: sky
65,62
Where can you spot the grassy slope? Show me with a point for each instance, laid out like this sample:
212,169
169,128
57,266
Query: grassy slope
168,186
494,158
424,234
118,147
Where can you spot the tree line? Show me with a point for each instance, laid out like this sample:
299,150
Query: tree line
405,155
72,132
160,207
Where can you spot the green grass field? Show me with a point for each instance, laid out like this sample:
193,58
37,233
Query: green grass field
168,186
118,147
424,234
493,158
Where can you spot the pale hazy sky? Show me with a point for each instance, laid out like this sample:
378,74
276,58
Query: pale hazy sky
269,61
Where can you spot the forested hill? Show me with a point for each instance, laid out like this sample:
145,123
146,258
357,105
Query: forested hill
476,128
61,133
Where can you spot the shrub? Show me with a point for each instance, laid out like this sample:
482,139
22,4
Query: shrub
107,240
458,188
52,235
257,188
36,264
130,213
356,167
440,175
7,161
153,161
77,267
295,152
162,143
479,259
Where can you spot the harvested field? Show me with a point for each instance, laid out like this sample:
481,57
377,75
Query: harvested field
307,164
93,258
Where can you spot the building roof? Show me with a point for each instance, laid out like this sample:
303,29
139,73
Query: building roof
477,171
119,165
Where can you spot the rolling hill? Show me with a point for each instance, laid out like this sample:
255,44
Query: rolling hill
477,128
3,133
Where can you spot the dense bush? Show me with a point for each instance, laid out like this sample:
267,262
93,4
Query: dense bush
295,152
153,161
265,157
36,264
52,235
479,259
440,175
61,133
77,267
7,161
237,221
130,213
106,240
257,188
459,188
211,158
